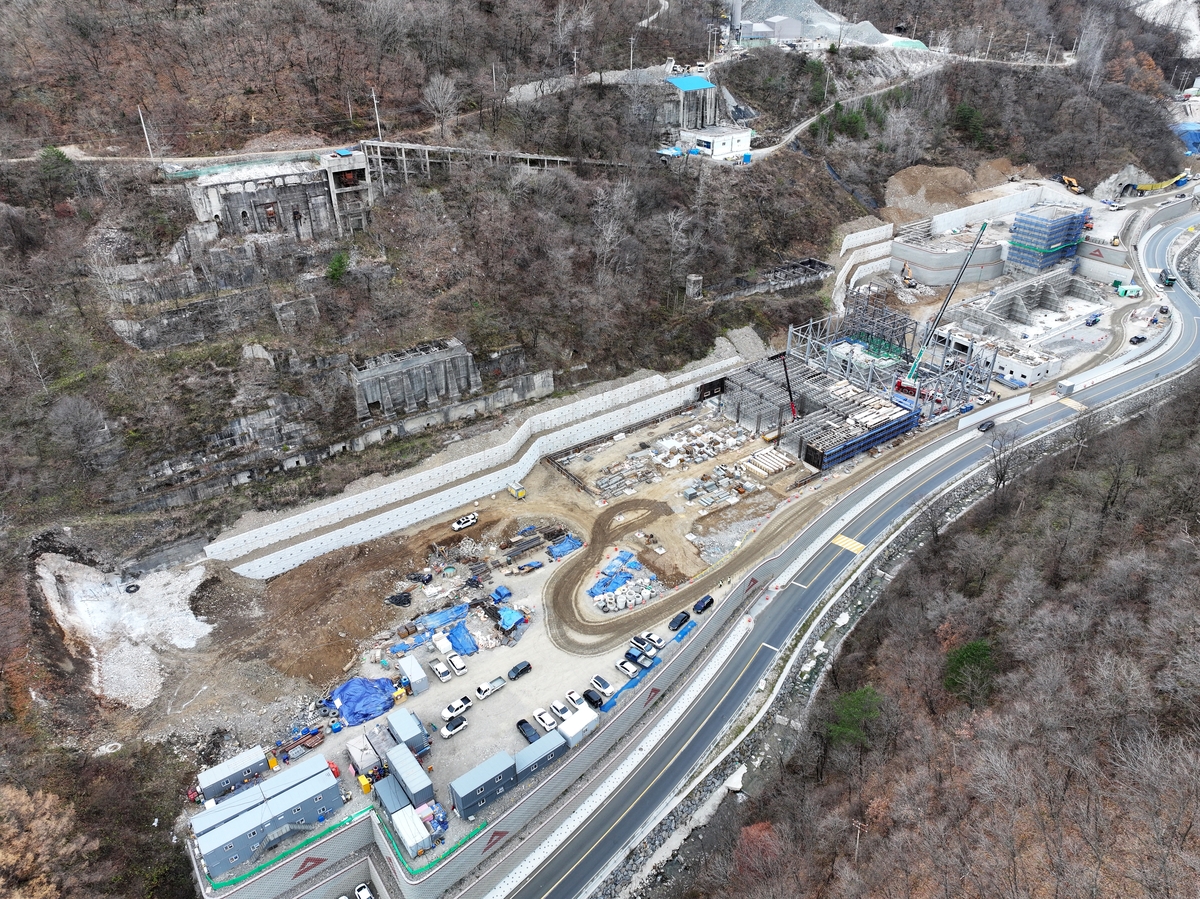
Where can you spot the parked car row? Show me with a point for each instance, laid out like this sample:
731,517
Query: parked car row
454,660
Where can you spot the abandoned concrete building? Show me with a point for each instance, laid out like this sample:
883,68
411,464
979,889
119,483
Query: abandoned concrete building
441,371
329,197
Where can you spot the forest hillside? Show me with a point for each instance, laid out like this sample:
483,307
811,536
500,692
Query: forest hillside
1017,714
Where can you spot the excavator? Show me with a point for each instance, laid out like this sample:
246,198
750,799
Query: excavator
1069,183
907,276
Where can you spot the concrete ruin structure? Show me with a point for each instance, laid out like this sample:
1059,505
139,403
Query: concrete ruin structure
306,199
441,371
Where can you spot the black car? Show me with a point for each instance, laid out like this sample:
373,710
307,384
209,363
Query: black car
679,621
703,604
987,425
528,731
593,698
519,669
1138,338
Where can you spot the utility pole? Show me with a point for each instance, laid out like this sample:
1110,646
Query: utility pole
493,78
988,51
378,127
349,108
1025,52
146,133
575,70
1049,47
631,40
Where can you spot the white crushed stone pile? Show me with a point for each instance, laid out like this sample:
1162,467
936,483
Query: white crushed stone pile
122,632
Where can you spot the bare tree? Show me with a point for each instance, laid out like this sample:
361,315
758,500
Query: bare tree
440,99
1003,459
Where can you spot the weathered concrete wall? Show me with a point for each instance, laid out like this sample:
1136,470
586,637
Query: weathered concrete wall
201,320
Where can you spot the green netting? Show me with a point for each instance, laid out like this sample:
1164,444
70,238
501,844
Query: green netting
222,884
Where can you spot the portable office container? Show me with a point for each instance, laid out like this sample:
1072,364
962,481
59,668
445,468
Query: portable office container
578,725
249,797
412,832
252,833
536,756
410,775
390,796
407,728
412,669
483,783
217,781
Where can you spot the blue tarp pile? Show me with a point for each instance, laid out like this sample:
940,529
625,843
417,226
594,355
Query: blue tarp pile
412,642
618,563
462,641
567,544
1189,133
361,699
634,565
510,618
501,593
609,584
441,618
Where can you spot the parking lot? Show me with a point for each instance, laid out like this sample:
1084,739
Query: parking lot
491,722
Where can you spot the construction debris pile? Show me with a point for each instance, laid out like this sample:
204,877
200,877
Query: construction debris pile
725,484
697,444
623,584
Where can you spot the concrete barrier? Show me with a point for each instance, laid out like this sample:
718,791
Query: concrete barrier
871,235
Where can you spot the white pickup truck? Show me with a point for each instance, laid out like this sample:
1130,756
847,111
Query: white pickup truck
483,691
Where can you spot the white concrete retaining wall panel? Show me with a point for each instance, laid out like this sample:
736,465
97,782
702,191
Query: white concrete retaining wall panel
871,268
460,495
331,513
1167,214
956,218
1103,272
858,257
871,235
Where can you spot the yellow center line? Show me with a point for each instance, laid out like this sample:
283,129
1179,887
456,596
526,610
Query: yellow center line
671,761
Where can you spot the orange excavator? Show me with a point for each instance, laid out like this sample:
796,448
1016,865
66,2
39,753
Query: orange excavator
906,276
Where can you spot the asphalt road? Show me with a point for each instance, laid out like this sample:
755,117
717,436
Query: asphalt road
591,848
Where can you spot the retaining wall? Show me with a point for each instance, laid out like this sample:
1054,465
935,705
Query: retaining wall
567,425
859,256
871,235
989,209
937,266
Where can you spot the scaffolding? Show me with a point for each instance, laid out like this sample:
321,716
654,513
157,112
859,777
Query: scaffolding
872,347
1045,236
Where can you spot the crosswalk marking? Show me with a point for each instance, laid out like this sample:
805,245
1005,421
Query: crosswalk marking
848,543
1073,404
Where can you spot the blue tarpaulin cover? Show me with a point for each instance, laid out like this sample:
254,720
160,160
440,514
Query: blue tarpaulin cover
634,565
462,641
443,617
609,584
618,563
501,593
412,642
362,699
510,618
567,544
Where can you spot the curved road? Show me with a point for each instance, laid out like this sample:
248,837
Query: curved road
570,869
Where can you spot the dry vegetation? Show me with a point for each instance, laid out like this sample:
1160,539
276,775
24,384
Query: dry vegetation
1017,715
1082,597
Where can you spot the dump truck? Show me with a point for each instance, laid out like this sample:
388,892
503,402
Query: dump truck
483,691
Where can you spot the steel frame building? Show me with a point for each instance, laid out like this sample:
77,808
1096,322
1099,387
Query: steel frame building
847,379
